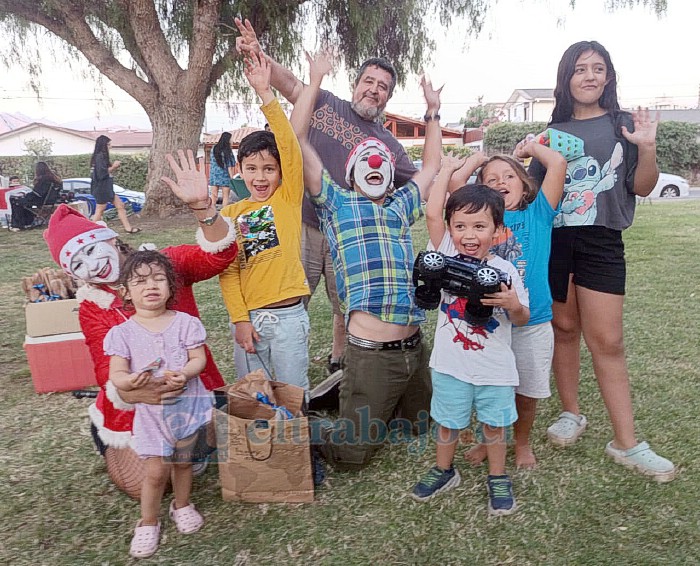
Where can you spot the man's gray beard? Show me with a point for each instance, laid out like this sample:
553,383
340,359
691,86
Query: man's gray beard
371,114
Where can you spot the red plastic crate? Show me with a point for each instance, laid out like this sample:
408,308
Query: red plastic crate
60,362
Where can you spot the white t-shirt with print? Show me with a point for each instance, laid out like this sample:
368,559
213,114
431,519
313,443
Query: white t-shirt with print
480,355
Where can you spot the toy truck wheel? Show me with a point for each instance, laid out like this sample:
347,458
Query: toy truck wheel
432,262
487,276
427,298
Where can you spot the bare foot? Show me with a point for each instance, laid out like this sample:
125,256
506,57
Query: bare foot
476,455
525,457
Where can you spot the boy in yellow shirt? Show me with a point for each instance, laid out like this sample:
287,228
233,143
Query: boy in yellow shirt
264,287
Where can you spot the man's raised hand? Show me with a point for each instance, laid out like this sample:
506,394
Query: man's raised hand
432,96
247,42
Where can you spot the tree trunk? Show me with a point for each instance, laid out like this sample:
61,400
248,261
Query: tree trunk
173,129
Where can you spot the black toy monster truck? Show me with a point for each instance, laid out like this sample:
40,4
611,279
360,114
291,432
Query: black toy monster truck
460,276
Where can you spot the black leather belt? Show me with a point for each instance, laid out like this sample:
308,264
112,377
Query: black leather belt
406,344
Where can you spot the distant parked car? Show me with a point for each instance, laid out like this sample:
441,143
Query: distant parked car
80,187
670,186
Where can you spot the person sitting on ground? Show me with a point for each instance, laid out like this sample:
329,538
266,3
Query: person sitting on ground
102,186
45,181
94,254
369,233
336,127
264,288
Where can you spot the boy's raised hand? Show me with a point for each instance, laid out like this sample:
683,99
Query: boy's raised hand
451,163
432,96
192,186
258,71
319,66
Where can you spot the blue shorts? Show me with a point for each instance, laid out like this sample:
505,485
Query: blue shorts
452,403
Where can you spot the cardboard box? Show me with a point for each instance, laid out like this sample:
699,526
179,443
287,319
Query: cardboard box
52,317
59,363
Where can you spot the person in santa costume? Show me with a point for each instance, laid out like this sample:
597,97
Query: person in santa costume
94,254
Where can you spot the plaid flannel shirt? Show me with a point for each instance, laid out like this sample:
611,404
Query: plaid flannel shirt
372,250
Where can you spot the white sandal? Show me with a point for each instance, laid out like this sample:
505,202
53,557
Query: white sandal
567,429
145,541
187,519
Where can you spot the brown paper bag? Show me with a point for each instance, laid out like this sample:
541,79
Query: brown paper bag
263,459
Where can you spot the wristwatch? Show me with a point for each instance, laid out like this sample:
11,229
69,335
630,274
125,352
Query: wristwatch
209,220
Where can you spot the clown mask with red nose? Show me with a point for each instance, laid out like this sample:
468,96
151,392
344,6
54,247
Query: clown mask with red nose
370,169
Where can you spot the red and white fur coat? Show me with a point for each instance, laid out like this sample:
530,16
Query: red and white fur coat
101,309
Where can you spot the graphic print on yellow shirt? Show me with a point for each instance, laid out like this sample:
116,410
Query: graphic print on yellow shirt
257,232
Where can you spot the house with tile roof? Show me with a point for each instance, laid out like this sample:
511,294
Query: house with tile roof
529,105
66,141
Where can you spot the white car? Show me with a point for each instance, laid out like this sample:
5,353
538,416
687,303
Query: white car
670,186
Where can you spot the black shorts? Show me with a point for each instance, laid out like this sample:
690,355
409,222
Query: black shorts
103,191
595,255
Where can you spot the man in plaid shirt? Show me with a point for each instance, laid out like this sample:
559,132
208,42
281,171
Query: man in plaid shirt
368,229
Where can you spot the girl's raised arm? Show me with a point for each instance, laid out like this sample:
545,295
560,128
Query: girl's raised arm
555,164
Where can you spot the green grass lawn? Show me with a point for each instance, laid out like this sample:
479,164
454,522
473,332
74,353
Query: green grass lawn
57,505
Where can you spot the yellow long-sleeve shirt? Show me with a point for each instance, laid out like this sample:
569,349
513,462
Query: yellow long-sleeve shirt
268,267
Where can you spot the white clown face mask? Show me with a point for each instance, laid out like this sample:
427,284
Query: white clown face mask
373,172
97,262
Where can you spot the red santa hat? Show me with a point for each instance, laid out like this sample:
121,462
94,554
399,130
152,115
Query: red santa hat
358,149
69,231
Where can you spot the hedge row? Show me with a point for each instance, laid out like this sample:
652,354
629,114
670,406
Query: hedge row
131,174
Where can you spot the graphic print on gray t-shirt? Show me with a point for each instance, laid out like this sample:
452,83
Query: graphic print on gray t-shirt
599,185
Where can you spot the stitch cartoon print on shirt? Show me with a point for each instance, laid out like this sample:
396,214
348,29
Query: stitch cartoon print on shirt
471,337
257,231
585,180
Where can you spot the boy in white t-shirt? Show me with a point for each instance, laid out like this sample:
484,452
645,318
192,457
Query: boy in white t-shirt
472,365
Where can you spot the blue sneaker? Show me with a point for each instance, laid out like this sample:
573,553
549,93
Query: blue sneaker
434,482
501,498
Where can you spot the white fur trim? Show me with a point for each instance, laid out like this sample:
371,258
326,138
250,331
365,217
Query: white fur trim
89,292
219,246
109,437
113,395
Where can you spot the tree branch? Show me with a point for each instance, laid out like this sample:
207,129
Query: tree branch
153,47
68,21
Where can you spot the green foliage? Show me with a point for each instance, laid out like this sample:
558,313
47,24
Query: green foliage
415,152
504,136
677,147
131,174
481,115
38,148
